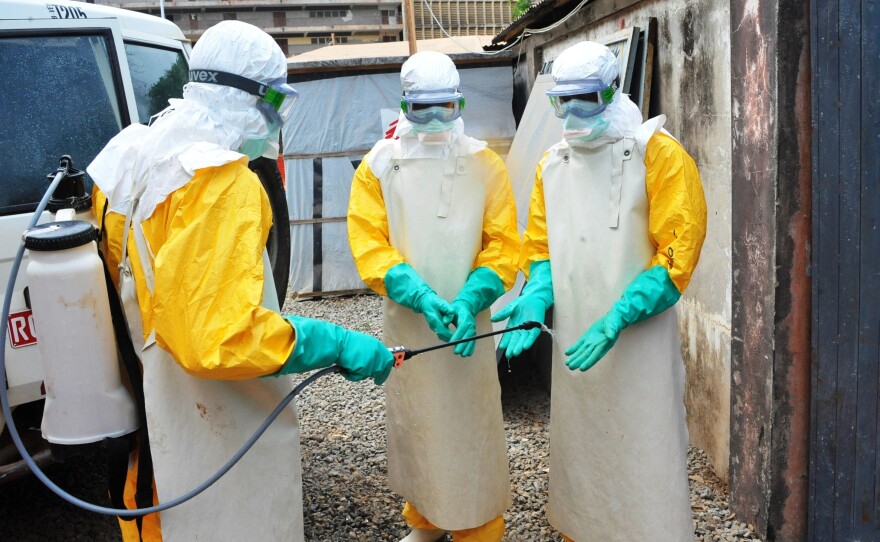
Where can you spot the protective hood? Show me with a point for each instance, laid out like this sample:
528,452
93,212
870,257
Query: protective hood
587,67
202,130
431,76
583,62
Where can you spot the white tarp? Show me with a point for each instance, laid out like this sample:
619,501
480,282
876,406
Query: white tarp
333,124
539,129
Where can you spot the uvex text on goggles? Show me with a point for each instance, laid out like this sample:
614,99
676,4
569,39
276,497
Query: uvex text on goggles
423,106
275,98
582,98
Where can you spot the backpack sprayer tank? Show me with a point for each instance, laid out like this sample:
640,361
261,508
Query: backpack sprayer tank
86,400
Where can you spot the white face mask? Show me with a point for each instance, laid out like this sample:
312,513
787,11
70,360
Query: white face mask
255,148
587,129
435,132
434,126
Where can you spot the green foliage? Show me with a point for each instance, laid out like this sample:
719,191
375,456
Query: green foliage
520,7
168,86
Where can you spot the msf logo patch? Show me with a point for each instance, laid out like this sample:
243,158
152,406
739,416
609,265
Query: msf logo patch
65,12
20,326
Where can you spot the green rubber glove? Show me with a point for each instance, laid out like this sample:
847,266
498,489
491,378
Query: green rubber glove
321,344
407,288
651,293
531,305
482,288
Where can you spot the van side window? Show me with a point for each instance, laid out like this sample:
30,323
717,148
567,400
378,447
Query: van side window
64,96
157,75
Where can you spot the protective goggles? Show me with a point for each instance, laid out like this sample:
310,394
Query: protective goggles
582,98
421,107
276,98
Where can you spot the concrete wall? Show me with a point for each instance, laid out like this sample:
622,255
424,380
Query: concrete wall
691,86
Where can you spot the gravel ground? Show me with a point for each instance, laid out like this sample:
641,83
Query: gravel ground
343,446
344,470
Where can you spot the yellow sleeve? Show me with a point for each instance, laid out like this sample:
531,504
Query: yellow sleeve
677,208
209,277
500,250
535,247
368,230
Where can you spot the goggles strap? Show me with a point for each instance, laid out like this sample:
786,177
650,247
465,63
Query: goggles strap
416,93
250,86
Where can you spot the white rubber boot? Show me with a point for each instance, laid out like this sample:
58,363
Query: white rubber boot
424,535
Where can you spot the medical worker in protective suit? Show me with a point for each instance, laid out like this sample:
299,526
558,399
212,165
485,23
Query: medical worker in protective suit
186,221
432,226
616,222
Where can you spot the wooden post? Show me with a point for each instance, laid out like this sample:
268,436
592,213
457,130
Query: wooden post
409,25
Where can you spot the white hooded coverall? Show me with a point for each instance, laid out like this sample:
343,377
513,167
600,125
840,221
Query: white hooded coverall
187,222
443,208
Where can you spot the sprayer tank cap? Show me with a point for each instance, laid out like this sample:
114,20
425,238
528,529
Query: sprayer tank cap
59,235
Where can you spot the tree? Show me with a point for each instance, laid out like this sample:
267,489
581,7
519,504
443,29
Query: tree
169,85
520,7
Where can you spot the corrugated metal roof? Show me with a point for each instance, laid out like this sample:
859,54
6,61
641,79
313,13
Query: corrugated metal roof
541,14
390,53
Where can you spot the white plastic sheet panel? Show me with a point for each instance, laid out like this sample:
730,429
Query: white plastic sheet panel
539,129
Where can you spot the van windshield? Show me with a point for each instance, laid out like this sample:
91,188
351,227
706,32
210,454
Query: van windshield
157,75
57,96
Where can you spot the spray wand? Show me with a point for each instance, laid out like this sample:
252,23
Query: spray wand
401,353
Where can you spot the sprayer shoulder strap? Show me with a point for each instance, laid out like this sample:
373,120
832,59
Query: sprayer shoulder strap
132,205
144,251
118,456
130,360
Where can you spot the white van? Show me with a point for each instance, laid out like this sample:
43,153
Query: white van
72,75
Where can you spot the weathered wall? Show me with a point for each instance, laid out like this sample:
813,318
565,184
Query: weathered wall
691,86
771,176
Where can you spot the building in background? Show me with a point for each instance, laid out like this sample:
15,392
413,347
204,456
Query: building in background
461,17
297,26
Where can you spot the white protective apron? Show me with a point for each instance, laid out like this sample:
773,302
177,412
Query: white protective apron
446,449
618,439
196,425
